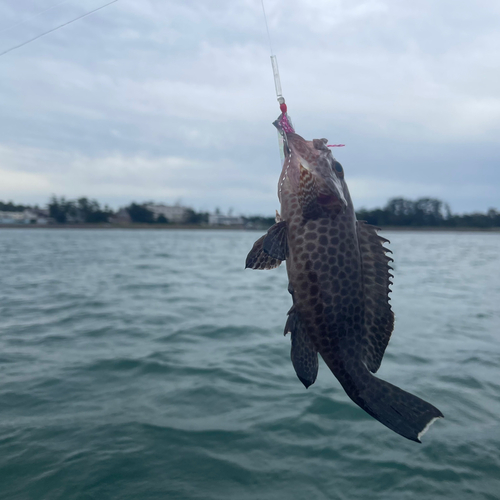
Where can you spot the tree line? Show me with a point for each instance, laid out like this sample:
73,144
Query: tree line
423,212
426,212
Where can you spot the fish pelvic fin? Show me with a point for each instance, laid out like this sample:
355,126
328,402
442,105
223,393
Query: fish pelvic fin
257,258
303,353
400,411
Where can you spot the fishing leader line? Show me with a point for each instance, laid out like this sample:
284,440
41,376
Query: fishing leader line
56,28
284,120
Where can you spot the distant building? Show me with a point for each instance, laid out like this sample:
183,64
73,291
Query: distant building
175,214
25,217
224,220
121,217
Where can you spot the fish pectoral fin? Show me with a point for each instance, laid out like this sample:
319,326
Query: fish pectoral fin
257,258
303,354
275,242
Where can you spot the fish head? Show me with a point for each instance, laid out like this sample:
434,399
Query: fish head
312,173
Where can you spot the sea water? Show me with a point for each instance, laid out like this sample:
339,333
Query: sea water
149,364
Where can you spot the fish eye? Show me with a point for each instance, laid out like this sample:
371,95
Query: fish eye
338,168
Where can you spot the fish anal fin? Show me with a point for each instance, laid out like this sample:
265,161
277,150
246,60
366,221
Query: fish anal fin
257,258
379,318
275,242
303,354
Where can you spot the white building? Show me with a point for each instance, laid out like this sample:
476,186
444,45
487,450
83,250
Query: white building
175,214
224,220
24,217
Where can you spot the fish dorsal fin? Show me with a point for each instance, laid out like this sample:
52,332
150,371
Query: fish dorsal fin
276,241
303,354
257,258
379,318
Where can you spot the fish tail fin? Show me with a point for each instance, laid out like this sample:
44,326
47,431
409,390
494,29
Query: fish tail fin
402,412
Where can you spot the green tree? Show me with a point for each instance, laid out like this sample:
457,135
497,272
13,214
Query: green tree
140,214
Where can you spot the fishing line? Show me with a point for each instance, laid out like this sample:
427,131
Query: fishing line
35,15
283,123
267,27
56,28
274,61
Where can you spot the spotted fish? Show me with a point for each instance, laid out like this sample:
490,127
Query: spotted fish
339,277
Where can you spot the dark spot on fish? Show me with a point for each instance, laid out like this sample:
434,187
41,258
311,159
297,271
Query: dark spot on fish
342,247
341,260
311,226
315,256
325,268
332,251
310,236
322,230
317,265
314,290
323,240
313,277
318,309
342,275
334,240
310,247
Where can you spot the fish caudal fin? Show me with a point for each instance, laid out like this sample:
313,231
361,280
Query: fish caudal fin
399,410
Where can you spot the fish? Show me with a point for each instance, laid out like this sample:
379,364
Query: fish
339,277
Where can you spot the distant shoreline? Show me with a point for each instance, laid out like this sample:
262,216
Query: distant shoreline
230,228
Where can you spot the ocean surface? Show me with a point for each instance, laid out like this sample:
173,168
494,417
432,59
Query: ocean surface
149,364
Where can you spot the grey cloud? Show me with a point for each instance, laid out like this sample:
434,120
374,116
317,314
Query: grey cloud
411,88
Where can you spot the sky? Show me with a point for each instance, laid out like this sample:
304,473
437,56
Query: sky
173,101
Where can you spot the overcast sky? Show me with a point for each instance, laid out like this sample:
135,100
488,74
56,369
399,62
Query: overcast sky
173,100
